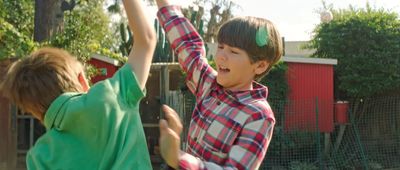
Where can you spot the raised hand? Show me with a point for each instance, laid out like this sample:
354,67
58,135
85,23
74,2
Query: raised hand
170,130
173,119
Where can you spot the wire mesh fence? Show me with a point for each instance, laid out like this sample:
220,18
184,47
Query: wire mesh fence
369,140
310,134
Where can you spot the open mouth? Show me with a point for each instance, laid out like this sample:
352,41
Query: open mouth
222,69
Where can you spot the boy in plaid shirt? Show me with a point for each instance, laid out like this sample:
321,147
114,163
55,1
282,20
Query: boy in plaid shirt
232,123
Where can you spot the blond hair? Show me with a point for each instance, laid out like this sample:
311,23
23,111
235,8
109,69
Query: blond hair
241,32
35,81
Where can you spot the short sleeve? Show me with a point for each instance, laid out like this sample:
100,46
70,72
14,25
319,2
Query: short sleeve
125,84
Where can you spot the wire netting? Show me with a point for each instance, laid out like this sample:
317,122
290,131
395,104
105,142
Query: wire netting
309,135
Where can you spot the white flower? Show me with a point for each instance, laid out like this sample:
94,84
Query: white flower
326,16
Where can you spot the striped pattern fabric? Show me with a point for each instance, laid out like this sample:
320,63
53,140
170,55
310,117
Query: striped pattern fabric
228,130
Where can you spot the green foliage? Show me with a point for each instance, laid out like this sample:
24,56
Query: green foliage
163,50
280,141
210,14
366,43
196,19
13,43
16,27
86,30
277,87
126,39
296,165
19,14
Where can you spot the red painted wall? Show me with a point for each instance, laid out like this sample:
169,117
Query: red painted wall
111,69
310,84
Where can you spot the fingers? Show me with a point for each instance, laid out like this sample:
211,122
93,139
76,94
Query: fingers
170,113
165,129
173,119
169,144
163,125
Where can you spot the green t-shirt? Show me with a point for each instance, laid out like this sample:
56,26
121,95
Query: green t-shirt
100,129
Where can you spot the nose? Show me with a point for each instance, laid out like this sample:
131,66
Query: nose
220,55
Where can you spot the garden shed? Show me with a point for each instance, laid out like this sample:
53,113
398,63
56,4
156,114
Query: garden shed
311,94
107,67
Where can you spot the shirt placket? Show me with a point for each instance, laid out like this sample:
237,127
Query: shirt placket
207,119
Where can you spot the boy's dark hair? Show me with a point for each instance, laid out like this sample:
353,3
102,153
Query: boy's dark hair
34,82
241,32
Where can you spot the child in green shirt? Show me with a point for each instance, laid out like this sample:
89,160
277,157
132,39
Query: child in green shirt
96,128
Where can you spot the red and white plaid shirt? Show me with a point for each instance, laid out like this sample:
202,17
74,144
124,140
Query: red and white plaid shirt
228,130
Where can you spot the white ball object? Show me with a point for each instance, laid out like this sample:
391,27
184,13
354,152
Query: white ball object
326,16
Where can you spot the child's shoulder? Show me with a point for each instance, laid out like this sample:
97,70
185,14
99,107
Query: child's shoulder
260,109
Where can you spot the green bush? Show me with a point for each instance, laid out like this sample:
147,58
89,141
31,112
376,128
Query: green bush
85,34
278,88
12,42
296,165
16,26
366,43
82,35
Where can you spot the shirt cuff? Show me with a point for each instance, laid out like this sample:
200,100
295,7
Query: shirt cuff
167,13
187,161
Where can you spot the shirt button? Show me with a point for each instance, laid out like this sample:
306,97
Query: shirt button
195,139
218,102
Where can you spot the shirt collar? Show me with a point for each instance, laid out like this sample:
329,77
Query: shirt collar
54,114
259,92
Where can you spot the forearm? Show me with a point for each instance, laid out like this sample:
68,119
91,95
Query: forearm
183,37
142,29
187,45
144,40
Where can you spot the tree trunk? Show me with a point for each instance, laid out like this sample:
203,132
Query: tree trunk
48,19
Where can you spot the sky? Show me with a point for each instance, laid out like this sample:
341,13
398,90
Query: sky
295,19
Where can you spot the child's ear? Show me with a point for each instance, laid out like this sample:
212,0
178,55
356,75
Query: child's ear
261,66
83,82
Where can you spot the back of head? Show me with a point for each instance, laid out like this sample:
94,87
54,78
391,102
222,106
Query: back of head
33,82
244,32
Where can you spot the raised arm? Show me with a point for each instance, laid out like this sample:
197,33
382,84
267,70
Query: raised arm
187,45
144,36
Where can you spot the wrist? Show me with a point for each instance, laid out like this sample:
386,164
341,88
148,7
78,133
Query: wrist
163,3
175,163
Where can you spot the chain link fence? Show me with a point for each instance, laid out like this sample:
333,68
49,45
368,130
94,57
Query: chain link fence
369,140
310,135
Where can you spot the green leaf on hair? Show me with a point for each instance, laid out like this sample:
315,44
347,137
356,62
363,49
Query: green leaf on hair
262,36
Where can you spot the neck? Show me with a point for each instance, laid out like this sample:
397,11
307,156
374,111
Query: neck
240,87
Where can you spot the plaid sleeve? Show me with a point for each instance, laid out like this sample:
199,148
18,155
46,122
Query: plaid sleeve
189,47
247,153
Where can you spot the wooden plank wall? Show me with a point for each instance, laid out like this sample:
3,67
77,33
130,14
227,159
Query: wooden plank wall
8,142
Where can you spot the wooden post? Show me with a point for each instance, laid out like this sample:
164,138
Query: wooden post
327,144
339,138
8,139
164,86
